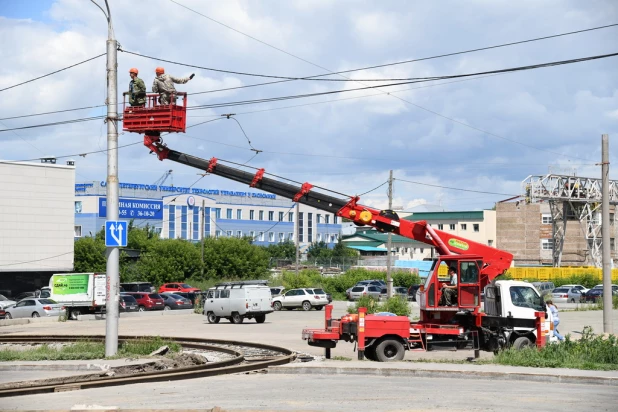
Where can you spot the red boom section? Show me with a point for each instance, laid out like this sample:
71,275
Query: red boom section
495,261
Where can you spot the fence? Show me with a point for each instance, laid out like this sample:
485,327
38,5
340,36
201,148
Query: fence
549,274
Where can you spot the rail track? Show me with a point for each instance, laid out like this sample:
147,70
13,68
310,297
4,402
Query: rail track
240,357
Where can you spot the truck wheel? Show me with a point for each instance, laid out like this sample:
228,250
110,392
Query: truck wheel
212,318
306,305
277,306
74,313
36,315
370,353
389,350
260,318
521,343
236,318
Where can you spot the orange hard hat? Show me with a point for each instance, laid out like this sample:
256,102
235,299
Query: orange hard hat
159,70
133,70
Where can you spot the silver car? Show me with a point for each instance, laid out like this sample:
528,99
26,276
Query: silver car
5,302
365,290
34,308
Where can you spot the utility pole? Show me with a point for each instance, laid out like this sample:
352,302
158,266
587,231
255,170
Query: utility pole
389,278
112,253
202,232
608,326
297,238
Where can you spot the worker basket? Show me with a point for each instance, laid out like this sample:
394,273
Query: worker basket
155,117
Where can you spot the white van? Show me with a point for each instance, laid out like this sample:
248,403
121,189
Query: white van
236,301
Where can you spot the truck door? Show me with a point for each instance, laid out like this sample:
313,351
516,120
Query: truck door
468,285
222,302
522,300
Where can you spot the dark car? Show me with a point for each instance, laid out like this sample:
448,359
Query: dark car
138,287
128,304
24,295
148,301
175,301
596,293
412,292
192,296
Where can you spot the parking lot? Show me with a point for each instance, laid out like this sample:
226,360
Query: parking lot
281,328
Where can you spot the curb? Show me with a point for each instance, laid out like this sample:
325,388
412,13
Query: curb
427,373
10,322
139,314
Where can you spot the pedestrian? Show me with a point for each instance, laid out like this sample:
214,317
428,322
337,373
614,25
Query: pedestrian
137,89
554,313
164,85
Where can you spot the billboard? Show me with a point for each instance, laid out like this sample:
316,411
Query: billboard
135,208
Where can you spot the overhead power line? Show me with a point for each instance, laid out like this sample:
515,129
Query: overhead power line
454,188
54,72
59,123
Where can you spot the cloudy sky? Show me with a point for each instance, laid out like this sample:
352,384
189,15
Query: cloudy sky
484,134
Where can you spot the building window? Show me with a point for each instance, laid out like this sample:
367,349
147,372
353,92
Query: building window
319,237
327,219
217,234
464,226
612,244
239,214
301,223
476,227
228,233
281,237
290,216
158,230
77,231
218,212
171,224
310,227
271,236
611,219
291,236
252,215
183,222
281,216
196,223
78,206
206,222
261,215
547,244
490,242
261,237
440,226
252,235
228,213
422,250
318,218
546,219
239,234
271,215
335,219
451,226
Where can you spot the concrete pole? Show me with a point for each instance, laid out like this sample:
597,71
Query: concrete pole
297,238
389,278
113,253
202,233
608,326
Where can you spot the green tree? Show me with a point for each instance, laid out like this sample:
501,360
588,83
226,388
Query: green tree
89,255
319,250
169,260
341,250
233,258
283,250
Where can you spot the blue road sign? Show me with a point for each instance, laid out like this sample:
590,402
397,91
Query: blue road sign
115,233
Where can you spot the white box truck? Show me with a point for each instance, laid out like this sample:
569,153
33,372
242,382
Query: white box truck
80,293
236,301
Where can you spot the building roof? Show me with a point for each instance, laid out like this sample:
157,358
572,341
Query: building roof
474,214
352,243
381,238
368,248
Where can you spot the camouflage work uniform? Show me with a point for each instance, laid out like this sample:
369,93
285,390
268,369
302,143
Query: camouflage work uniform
164,85
137,90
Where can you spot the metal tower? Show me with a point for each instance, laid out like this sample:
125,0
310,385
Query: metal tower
572,198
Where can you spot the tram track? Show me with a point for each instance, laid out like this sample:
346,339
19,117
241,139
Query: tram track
241,357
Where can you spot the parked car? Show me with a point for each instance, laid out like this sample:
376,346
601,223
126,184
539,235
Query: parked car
236,301
6,302
397,291
582,289
300,298
23,295
2,314
138,287
544,288
147,301
276,290
566,294
128,304
174,301
34,308
356,292
318,291
375,282
596,293
192,296
177,287
412,292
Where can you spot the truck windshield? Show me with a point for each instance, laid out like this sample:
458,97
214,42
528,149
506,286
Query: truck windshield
525,297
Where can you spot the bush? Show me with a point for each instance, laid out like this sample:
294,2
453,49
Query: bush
397,305
368,302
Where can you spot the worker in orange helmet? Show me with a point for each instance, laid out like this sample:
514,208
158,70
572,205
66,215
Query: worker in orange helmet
164,85
137,89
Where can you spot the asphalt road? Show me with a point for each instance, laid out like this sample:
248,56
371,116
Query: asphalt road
333,393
